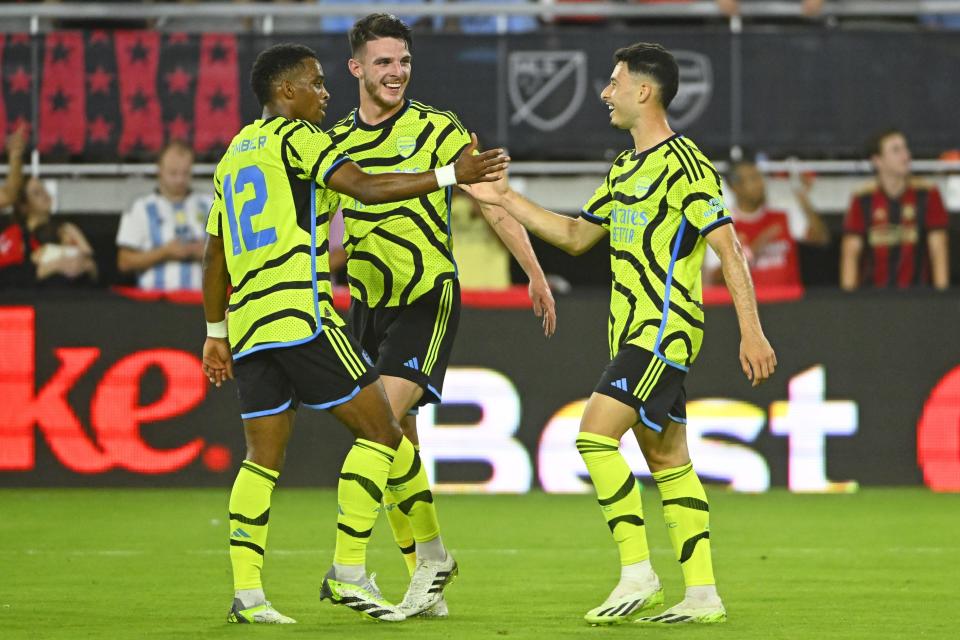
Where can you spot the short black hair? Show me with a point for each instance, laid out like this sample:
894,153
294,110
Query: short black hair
376,26
875,143
273,63
653,60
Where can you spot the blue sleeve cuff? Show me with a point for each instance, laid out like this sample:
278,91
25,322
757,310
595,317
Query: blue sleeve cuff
589,217
715,224
339,162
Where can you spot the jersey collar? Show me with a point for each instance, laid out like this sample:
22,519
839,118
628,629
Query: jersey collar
642,155
389,122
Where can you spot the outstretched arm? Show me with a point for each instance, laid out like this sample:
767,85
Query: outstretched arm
573,235
350,179
756,355
515,238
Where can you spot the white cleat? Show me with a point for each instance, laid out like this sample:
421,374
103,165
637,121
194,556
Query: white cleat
260,614
624,604
689,613
438,610
365,599
427,584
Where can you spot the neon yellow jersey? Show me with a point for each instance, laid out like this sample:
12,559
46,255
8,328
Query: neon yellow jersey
398,251
658,206
272,208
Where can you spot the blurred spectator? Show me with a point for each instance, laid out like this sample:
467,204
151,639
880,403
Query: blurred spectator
161,236
36,250
343,24
16,145
895,232
809,8
492,24
483,262
769,236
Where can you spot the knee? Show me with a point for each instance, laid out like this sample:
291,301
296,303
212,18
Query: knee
660,458
268,456
385,432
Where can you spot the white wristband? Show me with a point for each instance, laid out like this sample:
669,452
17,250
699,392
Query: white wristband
446,176
217,329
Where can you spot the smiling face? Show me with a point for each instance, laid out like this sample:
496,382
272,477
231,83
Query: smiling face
383,68
308,97
624,95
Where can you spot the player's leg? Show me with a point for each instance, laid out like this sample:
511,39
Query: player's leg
329,373
413,344
687,514
268,421
403,396
604,422
413,516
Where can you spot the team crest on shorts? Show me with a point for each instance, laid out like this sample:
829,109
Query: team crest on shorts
406,145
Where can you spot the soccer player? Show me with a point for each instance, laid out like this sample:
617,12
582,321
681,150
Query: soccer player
405,296
659,207
268,239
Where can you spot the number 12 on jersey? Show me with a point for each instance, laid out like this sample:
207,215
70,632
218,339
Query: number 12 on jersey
252,240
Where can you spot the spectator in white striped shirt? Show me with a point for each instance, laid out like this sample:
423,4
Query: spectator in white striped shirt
161,236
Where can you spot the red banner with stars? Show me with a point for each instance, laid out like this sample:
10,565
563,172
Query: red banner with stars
102,96
63,97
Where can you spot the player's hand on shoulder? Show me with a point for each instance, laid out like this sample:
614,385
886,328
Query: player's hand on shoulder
217,361
757,358
473,167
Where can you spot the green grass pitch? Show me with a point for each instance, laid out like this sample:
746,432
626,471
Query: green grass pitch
884,563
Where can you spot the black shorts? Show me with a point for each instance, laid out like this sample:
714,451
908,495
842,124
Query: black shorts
649,384
321,374
411,341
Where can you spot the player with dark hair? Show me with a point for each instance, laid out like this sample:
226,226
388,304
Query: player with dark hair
268,239
659,207
405,294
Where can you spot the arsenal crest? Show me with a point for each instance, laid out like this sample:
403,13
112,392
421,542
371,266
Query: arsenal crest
696,88
406,145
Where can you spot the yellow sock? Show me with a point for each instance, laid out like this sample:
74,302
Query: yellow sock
402,533
359,496
415,516
617,493
249,514
687,515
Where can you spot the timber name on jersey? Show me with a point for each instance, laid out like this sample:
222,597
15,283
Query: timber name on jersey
399,251
657,206
272,208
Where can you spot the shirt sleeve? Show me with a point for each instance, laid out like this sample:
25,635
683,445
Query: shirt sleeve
936,212
701,203
853,221
133,232
453,144
215,217
315,154
600,205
